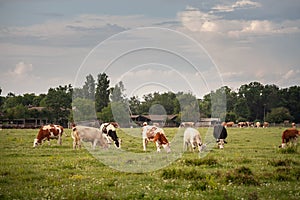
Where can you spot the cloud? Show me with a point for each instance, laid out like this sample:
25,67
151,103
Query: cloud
195,20
243,4
22,69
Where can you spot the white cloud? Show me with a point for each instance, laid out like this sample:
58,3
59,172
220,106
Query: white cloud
22,69
243,4
195,20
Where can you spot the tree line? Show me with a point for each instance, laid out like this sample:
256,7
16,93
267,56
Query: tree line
97,100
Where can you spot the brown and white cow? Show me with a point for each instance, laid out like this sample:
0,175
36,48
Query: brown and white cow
265,124
289,135
88,134
191,137
48,132
156,135
228,124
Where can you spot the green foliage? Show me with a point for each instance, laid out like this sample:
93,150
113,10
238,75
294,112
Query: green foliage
83,109
278,115
102,92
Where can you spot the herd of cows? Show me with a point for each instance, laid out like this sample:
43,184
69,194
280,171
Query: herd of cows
107,135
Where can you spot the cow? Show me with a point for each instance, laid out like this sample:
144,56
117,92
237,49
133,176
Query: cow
289,135
191,137
156,135
87,134
228,124
220,134
48,132
265,125
257,124
242,124
109,132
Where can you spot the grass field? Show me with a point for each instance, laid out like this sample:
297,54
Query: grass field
250,167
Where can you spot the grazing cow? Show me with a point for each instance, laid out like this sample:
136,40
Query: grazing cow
242,124
88,134
48,132
220,134
156,135
109,132
289,135
265,125
257,124
228,124
191,137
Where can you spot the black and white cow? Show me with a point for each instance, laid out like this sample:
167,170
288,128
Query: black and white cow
109,132
220,134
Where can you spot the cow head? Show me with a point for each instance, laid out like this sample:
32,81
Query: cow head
113,135
221,143
167,147
36,142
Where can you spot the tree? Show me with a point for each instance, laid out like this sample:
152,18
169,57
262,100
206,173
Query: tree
59,101
106,114
117,93
253,97
134,105
83,109
89,87
189,108
102,92
278,115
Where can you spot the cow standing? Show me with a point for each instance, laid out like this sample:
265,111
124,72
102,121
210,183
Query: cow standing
289,135
191,137
220,134
87,134
109,132
48,132
156,135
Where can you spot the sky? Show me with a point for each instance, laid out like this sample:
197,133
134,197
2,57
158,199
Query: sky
151,46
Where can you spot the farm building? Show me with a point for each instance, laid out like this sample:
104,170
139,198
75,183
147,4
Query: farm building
22,123
161,120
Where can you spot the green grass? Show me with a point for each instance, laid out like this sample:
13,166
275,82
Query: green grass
249,167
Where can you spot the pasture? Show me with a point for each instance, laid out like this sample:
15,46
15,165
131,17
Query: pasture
249,167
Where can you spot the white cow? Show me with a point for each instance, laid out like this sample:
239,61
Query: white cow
88,134
192,138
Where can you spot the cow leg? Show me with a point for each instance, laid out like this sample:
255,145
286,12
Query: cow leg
185,145
95,143
145,142
74,144
157,146
59,139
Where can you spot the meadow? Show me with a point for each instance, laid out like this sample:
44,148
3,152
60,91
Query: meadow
251,166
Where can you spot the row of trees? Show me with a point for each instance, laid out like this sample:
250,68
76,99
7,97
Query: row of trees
96,99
